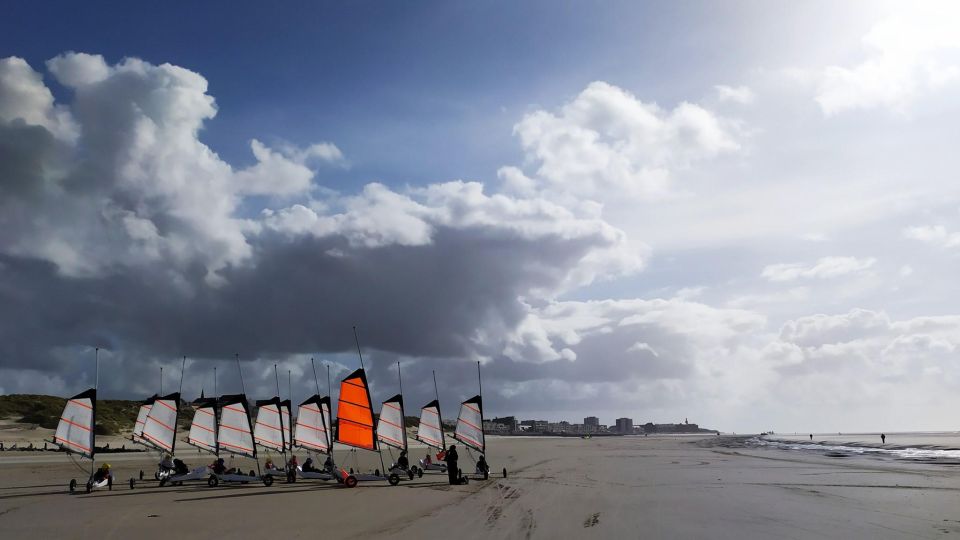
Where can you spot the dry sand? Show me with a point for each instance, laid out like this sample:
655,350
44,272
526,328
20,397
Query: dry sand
623,487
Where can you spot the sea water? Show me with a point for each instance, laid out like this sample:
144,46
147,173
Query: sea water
912,446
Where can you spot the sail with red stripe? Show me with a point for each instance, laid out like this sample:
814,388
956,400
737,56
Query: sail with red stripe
142,419
234,433
355,426
390,428
272,429
430,430
312,427
470,424
160,426
203,429
75,429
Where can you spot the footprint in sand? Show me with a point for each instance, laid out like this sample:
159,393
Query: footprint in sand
591,520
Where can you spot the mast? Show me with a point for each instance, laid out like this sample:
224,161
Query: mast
356,339
161,380
436,393
283,437
96,389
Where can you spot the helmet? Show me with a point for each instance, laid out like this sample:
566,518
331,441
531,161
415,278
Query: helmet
106,465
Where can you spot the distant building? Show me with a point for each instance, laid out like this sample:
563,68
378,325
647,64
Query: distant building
591,421
535,425
495,427
625,426
509,421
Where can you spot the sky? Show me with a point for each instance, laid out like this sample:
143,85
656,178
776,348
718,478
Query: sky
746,214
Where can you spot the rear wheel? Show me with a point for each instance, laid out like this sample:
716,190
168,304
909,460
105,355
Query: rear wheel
419,472
213,481
411,473
350,481
110,483
267,480
132,483
504,472
163,482
89,487
73,485
394,479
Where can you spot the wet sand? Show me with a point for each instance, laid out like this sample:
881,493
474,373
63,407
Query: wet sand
618,487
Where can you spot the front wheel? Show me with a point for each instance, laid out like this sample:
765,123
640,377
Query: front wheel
394,479
267,480
411,473
163,482
419,472
132,483
350,481
504,472
213,481
73,485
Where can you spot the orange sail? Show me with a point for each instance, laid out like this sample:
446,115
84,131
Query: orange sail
355,413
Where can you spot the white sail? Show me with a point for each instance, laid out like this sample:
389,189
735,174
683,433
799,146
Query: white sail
470,424
312,427
160,427
268,431
234,433
390,429
75,430
430,431
203,430
141,420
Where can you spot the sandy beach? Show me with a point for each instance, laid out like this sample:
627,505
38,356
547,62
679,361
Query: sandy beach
618,487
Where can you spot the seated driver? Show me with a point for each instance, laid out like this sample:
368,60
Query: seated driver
402,461
180,467
102,473
167,462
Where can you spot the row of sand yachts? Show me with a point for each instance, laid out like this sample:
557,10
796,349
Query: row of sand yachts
226,427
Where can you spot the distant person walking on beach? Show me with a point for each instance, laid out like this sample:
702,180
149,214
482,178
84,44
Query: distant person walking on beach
453,473
811,436
883,439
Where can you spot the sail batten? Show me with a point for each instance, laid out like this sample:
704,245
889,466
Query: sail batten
355,425
469,428
75,430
